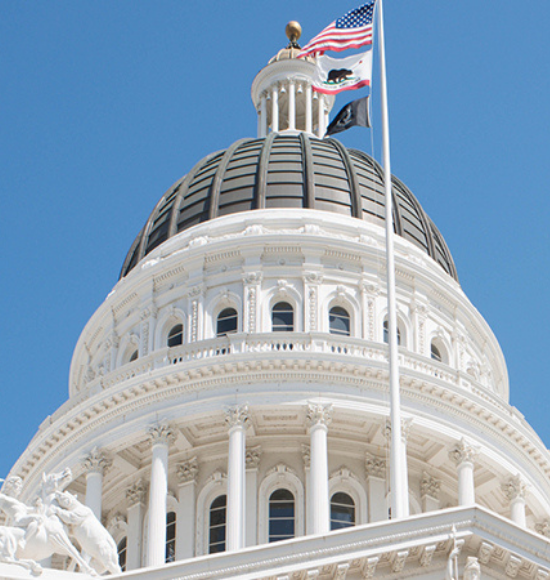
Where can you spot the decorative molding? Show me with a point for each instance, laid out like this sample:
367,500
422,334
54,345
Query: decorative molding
398,561
161,433
187,470
405,429
427,555
340,571
135,494
514,487
429,486
375,466
281,469
306,456
513,565
369,566
485,552
319,414
97,461
543,528
472,569
463,452
253,456
237,416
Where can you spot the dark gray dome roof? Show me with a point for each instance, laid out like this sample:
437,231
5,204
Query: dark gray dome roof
287,171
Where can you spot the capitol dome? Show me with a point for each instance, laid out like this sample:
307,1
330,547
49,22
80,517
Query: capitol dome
287,171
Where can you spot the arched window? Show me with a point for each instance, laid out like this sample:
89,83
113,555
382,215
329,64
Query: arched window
342,511
227,322
216,529
170,554
281,515
175,336
386,337
134,356
339,321
121,551
282,317
435,353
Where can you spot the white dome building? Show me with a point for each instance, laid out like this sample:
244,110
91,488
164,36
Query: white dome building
228,405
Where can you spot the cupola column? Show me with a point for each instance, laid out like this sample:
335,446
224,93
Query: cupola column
309,108
275,108
263,116
319,418
320,115
464,456
161,436
236,419
292,105
135,498
185,520
515,489
95,464
253,456
375,468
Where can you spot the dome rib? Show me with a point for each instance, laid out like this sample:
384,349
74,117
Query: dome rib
288,171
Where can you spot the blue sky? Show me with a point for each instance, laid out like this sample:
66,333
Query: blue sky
105,103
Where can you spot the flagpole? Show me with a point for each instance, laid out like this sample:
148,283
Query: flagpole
398,459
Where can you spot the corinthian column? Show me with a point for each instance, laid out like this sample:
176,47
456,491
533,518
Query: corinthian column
161,436
515,489
95,464
464,456
236,419
135,498
319,418
185,520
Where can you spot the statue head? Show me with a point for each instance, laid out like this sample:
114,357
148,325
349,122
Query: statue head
66,500
13,486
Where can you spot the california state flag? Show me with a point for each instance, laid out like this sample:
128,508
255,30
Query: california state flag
334,75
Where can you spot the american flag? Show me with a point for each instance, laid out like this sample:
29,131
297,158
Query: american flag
353,30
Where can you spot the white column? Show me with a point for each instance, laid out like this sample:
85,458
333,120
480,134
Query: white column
306,456
253,456
263,116
185,517
237,421
309,109
161,436
515,489
292,105
95,464
319,418
275,109
429,492
402,465
375,468
464,456
321,116
135,498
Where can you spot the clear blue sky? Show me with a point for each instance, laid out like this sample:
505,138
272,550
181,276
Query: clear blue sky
105,103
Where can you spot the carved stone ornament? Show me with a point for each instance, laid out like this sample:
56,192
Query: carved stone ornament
252,278
306,456
237,416
39,531
485,552
375,466
429,486
543,528
187,470
472,569
135,494
341,571
97,461
369,567
405,429
163,433
253,456
463,452
318,414
513,566
542,574
398,561
514,488
427,555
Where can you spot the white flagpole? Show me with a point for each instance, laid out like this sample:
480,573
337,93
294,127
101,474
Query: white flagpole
398,459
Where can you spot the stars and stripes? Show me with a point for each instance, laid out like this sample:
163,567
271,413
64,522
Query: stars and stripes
352,30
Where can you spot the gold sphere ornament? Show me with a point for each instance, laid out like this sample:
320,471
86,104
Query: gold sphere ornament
293,30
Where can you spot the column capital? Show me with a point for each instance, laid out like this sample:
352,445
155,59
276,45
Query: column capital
253,456
514,487
543,528
375,466
429,486
187,470
405,429
97,461
161,433
135,494
237,416
463,452
319,414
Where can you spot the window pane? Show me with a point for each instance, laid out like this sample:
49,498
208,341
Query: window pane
386,337
282,317
436,354
227,322
281,515
339,321
216,532
134,356
170,555
342,511
175,336
121,550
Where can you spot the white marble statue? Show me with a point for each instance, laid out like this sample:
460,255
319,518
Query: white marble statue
36,532
94,539
472,570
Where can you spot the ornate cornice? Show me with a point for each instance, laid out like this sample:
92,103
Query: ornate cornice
187,470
